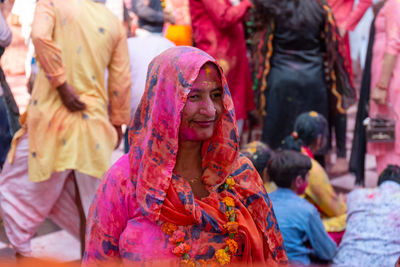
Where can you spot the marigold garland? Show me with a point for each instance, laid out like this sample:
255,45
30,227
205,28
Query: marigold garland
169,228
222,256
177,237
233,246
228,201
181,249
231,227
230,182
229,213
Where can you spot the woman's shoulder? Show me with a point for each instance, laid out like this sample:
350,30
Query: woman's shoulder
245,173
119,175
243,164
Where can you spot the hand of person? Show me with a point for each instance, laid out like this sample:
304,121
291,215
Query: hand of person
342,31
119,134
397,263
69,98
168,17
378,95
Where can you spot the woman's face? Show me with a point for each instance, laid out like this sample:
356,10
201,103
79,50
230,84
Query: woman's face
203,107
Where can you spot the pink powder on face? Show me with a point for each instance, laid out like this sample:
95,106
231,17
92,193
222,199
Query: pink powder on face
203,107
188,134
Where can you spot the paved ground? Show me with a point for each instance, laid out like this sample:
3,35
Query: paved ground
50,241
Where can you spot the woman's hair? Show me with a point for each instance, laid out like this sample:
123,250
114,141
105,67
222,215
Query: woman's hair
286,165
259,154
307,128
292,13
391,173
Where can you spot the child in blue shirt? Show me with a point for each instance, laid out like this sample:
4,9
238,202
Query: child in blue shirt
299,221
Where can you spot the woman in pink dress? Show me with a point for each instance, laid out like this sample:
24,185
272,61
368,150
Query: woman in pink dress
184,195
385,80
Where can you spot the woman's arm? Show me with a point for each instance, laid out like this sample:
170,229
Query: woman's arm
392,51
356,15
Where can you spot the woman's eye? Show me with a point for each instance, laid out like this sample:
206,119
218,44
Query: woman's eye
194,97
216,95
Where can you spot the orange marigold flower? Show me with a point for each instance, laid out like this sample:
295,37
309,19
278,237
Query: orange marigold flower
228,201
181,249
232,227
233,246
188,263
230,182
222,257
168,228
177,236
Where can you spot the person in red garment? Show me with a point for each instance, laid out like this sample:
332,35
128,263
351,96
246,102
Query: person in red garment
347,18
218,30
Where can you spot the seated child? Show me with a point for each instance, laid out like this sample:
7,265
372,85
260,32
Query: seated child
309,137
298,220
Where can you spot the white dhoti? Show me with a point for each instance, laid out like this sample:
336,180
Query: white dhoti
25,204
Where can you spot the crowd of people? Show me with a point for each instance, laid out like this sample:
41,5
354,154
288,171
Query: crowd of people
184,83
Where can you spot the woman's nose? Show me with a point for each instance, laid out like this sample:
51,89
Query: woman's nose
208,107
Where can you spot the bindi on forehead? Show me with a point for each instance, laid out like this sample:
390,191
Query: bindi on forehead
207,70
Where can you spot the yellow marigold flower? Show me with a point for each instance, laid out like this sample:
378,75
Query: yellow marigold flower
230,182
168,228
229,213
233,246
188,263
228,201
232,227
222,257
313,114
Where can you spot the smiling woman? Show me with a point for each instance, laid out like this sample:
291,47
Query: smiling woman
204,106
184,194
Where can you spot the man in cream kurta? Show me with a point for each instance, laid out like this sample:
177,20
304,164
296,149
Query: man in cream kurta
72,123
